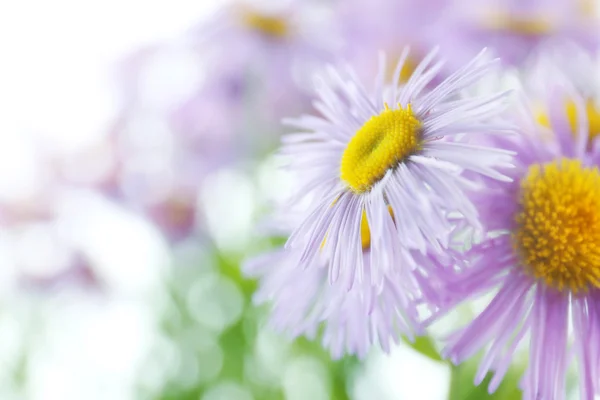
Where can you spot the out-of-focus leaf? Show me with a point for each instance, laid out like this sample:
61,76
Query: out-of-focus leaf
425,346
462,387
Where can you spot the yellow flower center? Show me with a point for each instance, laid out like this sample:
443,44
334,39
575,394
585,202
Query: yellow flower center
380,144
267,24
502,21
593,116
557,235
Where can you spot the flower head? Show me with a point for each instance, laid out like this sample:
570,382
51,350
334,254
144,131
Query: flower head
544,258
382,173
396,159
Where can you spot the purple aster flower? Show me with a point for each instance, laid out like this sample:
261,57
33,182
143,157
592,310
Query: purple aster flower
513,28
544,259
395,158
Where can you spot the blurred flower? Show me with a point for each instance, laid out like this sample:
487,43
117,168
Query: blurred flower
35,222
388,26
544,257
260,58
49,233
236,75
141,166
575,76
400,169
80,274
513,28
272,48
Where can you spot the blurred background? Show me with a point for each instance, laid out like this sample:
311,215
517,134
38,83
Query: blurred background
136,166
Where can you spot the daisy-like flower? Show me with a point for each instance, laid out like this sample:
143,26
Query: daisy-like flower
396,158
514,28
353,320
544,259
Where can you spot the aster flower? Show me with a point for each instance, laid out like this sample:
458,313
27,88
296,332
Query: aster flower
544,259
513,28
395,158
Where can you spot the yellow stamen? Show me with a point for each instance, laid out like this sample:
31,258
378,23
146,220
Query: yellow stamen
365,231
267,24
557,235
593,116
380,144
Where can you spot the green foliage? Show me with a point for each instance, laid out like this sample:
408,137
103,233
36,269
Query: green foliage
462,387
425,346
238,340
